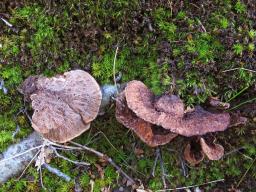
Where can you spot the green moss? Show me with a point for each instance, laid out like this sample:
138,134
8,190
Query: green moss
195,89
182,50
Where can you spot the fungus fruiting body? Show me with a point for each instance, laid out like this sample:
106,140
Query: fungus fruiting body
168,112
139,109
63,105
144,130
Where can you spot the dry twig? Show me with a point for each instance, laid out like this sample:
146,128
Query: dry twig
108,159
114,69
56,172
191,186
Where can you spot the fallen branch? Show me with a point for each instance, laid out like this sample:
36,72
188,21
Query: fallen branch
15,159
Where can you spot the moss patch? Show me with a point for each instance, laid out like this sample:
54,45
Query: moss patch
195,50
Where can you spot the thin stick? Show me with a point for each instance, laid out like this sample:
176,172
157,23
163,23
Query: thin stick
183,166
67,159
245,173
6,22
237,68
103,156
41,177
240,104
155,162
162,168
237,94
114,69
92,185
233,151
200,23
191,186
23,172
63,146
56,172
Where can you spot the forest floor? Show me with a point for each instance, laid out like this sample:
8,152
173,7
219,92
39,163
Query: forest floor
195,49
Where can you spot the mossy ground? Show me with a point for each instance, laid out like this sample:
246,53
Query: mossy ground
181,47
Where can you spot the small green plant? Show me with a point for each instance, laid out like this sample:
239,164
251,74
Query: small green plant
252,33
162,17
204,48
85,180
224,23
168,28
251,47
155,184
238,49
103,69
240,131
12,75
181,15
240,7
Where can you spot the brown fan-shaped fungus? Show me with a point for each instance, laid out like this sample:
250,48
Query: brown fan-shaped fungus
168,112
199,122
146,131
204,146
63,105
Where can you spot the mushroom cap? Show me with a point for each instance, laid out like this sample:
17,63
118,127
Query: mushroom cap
212,151
147,132
55,119
77,88
65,105
199,122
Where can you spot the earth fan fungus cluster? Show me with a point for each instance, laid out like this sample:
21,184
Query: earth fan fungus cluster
158,119
65,105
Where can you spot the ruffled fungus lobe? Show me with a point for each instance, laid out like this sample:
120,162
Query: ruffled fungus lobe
194,152
192,156
212,150
147,132
216,103
63,105
172,117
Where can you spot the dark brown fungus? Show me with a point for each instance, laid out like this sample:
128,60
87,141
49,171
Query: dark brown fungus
146,131
64,105
168,112
199,122
191,155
